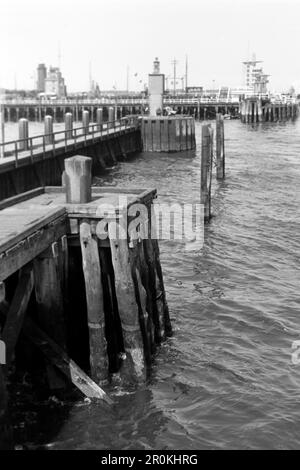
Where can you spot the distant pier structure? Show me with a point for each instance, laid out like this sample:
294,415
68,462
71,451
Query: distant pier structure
257,110
172,133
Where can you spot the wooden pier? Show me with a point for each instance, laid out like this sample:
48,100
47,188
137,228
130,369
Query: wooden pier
35,110
81,283
30,162
255,110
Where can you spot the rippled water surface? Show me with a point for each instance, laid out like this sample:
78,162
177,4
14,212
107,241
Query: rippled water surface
225,379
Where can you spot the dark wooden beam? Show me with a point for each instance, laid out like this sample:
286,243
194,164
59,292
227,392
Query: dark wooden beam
17,310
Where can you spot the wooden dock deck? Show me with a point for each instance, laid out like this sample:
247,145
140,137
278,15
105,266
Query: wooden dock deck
34,161
29,223
39,149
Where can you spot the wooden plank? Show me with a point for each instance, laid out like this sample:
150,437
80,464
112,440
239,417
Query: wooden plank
183,145
50,216
58,357
95,302
17,310
164,132
172,135
178,136
30,247
20,198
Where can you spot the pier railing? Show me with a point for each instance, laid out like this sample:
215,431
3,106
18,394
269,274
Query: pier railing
43,143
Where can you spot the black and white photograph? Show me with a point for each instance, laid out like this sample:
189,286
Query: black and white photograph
149,228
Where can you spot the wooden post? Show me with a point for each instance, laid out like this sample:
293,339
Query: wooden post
220,154
49,298
133,367
23,134
206,170
6,442
100,118
152,255
111,116
85,121
243,111
78,179
48,123
254,105
69,125
259,110
95,305
17,310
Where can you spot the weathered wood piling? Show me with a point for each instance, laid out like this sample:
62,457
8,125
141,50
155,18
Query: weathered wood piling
220,147
253,110
206,169
123,310
207,162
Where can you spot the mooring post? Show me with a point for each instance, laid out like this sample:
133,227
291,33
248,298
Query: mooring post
133,367
110,117
206,167
85,121
254,105
78,179
259,110
23,134
100,118
48,125
220,147
69,125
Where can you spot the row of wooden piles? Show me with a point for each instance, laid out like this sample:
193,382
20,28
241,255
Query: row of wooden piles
257,111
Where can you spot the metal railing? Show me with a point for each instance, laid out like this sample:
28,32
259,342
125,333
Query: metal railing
119,101
69,102
15,150
200,101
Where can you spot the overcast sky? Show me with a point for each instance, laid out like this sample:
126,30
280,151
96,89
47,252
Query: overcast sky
111,34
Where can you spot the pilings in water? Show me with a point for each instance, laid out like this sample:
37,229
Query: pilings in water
168,134
253,110
107,235
206,169
220,147
124,274
207,161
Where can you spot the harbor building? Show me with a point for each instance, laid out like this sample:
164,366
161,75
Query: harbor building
255,79
41,77
51,82
55,83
